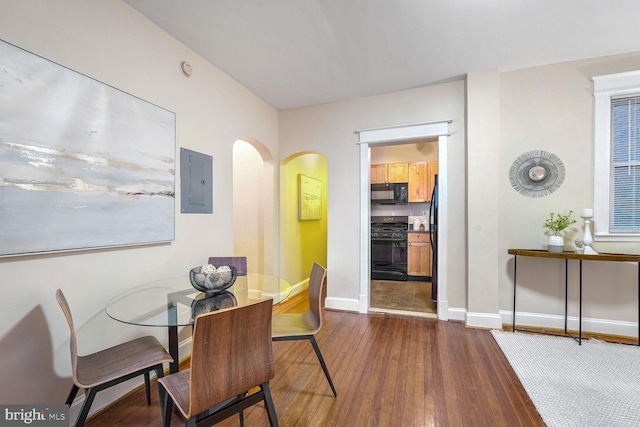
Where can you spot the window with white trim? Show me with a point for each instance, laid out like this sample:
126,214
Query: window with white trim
617,156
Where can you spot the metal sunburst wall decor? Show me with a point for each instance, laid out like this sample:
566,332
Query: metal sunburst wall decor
536,173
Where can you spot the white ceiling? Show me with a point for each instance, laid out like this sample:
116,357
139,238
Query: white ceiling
295,53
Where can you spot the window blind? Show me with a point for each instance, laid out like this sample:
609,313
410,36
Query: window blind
624,201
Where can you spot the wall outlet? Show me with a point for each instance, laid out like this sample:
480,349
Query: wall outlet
425,213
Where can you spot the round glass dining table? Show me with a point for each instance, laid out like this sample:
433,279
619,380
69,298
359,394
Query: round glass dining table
173,302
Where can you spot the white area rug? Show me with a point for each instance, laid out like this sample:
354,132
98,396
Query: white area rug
595,384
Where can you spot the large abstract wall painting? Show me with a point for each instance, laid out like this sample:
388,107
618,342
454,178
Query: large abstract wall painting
82,164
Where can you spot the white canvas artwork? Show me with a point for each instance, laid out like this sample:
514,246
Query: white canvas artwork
82,164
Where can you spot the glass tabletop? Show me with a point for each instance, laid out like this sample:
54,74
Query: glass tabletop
174,302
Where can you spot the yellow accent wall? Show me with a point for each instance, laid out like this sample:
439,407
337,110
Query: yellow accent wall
303,242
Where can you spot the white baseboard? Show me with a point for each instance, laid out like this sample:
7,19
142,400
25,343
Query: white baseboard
484,320
345,304
457,314
443,310
296,288
299,287
600,326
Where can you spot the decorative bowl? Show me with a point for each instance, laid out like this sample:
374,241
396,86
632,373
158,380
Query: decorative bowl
212,280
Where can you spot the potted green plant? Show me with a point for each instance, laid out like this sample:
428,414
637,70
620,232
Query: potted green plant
556,223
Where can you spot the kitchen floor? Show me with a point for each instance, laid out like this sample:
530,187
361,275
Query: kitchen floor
401,296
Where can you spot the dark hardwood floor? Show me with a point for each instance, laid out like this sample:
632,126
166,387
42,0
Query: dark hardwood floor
388,370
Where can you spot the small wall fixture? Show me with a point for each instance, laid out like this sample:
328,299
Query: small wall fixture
186,68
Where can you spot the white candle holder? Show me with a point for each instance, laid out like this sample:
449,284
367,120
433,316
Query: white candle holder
586,237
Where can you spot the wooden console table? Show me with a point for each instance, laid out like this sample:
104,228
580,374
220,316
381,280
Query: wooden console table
580,257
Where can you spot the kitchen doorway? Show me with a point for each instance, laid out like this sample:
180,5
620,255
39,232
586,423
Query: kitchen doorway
392,289
398,135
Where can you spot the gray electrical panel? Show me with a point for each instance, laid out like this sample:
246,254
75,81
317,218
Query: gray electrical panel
196,182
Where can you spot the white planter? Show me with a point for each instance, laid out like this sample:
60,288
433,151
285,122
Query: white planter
555,244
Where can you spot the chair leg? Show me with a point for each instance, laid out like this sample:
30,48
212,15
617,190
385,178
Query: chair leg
89,395
241,412
72,394
268,403
159,374
166,405
147,387
324,366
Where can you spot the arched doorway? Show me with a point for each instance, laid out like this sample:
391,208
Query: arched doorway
255,215
303,238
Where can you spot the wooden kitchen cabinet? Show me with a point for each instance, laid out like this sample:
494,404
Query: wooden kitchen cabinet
389,172
431,174
398,172
378,174
418,182
421,181
418,254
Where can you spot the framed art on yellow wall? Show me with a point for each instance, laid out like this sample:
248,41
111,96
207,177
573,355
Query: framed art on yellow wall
309,198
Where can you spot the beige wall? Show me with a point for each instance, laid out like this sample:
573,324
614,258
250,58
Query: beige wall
551,108
109,41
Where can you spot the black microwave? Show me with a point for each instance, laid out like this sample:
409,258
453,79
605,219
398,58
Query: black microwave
391,193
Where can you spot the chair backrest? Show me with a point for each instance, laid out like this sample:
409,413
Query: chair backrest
239,262
316,283
231,354
72,342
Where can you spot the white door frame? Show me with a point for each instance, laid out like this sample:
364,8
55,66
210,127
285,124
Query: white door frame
392,135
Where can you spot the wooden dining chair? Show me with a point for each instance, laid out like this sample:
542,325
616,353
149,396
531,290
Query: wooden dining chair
239,262
303,326
231,354
111,366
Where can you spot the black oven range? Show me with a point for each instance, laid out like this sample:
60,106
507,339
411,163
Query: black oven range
389,247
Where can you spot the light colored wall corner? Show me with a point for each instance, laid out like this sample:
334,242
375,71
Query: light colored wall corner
483,178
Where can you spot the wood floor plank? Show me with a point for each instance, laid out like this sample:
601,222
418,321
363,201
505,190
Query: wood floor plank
388,371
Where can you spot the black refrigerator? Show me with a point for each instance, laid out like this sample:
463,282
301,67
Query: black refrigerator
433,231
